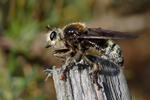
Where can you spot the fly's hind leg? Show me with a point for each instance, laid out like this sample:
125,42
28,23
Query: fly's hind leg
95,75
95,71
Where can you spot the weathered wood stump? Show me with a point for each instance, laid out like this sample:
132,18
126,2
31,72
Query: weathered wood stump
79,84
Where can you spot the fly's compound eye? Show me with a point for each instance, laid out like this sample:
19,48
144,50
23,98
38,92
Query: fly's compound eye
53,35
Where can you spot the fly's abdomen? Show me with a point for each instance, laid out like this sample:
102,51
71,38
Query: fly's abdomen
113,52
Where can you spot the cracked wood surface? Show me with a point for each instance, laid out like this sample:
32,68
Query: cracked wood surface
79,84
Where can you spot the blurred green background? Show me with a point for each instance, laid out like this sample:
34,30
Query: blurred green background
23,56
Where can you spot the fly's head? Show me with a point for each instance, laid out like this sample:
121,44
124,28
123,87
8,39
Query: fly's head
54,37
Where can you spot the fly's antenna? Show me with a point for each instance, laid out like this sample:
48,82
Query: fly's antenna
48,27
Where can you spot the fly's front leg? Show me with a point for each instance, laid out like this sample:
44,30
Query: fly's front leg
64,53
61,52
67,55
67,64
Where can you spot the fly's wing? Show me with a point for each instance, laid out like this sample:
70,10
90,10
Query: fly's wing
99,33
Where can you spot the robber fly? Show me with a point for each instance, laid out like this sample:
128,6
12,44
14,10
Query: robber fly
77,41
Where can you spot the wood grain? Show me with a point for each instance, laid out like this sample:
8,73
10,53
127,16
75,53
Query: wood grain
79,84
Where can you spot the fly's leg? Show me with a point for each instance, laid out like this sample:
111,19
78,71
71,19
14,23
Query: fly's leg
61,53
95,75
64,53
95,71
69,57
72,55
67,64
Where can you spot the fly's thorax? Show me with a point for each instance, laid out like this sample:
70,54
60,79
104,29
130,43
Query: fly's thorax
74,29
